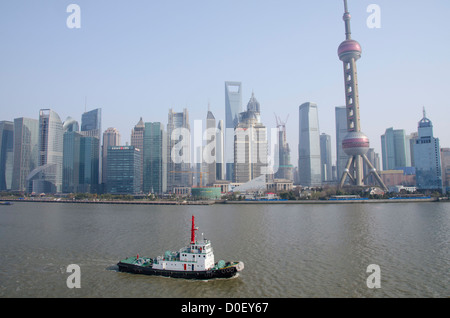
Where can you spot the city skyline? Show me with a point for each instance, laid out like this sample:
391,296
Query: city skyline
116,61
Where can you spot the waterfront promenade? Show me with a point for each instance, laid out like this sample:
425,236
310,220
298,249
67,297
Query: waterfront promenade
212,202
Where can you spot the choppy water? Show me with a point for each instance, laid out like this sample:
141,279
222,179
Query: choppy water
288,250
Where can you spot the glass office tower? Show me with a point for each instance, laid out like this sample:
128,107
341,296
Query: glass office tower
309,166
124,170
6,154
155,158
91,126
71,161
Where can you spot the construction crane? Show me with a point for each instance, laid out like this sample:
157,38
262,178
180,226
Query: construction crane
199,172
281,125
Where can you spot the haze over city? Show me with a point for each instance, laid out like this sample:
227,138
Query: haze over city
139,59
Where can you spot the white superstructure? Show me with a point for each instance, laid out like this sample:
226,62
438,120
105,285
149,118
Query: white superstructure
198,256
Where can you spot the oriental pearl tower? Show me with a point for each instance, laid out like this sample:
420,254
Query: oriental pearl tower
355,143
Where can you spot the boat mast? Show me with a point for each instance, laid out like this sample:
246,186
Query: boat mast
193,229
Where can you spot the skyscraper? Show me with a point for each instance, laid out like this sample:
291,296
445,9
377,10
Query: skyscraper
220,151
89,167
250,144
47,177
325,158
233,107
155,158
356,143
309,166
427,157
341,132
178,148
6,154
26,136
395,149
80,160
445,163
91,122
210,149
111,137
411,138
91,126
137,140
71,157
124,170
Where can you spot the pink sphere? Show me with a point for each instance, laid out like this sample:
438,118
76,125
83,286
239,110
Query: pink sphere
355,143
349,49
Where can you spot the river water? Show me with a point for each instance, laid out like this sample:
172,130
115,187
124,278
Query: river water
304,250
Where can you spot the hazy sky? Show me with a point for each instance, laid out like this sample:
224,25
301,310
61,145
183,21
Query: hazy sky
142,57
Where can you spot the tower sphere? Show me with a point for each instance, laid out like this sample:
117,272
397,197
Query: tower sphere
349,49
355,143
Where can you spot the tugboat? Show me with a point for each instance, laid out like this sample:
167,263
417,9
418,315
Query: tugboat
195,261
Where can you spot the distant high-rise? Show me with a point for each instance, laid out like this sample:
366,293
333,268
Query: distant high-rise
211,140
395,149
6,154
47,177
177,175
124,170
137,140
220,151
111,137
80,160
356,143
70,125
309,166
91,122
250,144
427,157
71,161
341,132
374,159
325,158
285,169
91,126
155,158
89,166
445,163
412,140
26,136
233,107
137,135
71,156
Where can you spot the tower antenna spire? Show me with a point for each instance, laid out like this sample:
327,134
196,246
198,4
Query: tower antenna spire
346,18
